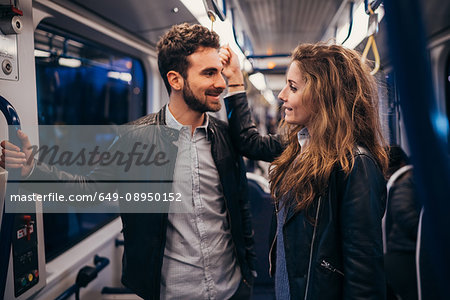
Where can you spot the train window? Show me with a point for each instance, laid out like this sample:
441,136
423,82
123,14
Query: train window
82,83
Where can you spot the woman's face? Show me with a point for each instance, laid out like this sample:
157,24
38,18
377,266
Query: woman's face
297,109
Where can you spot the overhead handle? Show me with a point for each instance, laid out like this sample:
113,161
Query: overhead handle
371,44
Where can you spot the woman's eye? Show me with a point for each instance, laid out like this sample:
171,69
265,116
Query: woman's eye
293,88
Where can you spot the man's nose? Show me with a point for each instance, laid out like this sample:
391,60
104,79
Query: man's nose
220,82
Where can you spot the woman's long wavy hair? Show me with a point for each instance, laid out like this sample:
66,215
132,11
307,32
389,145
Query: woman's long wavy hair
344,101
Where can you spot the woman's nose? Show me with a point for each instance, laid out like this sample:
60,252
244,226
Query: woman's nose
281,95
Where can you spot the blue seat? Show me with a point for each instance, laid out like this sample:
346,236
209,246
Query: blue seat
262,213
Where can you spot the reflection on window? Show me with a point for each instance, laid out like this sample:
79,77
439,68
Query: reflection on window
82,83
447,97
393,114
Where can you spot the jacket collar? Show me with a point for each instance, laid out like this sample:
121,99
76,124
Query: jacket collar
397,175
160,119
173,123
161,116
290,212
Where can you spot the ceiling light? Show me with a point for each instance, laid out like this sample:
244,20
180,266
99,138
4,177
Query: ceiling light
258,81
268,94
271,65
120,75
247,67
69,62
40,53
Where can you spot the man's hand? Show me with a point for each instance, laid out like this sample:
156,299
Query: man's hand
13,158
231,68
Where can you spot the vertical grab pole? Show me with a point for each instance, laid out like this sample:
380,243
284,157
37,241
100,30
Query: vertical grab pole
7,221
426,129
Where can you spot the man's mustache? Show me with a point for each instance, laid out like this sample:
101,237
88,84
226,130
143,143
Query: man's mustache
217,91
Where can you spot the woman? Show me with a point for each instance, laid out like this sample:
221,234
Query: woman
326,179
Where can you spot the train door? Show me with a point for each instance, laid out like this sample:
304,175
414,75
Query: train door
22,245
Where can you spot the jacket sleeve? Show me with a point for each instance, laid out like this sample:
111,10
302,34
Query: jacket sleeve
403,206
53,179
247,228
362,206
244,134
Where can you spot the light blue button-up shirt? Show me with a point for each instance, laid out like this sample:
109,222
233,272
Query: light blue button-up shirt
199,258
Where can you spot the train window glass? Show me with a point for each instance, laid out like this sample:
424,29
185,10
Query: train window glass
388,106
383,103
80,82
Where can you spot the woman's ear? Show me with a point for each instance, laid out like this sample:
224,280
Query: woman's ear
175,79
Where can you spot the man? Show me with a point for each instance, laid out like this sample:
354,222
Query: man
208,253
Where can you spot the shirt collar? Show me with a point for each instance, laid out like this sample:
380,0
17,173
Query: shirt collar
303,137
173,123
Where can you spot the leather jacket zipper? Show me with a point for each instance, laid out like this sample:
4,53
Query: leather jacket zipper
328,266
273,243
312,248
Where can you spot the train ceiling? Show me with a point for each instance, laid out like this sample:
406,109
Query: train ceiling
276,25
272,26
147,19
279,25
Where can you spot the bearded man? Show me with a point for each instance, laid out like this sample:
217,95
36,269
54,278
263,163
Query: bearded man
208,254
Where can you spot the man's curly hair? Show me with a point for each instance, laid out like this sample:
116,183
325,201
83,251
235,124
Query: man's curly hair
178,43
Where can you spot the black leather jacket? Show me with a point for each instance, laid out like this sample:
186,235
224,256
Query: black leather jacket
402,215
341,257
145,234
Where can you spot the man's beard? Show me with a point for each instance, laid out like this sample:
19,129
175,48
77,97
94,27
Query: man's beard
195,104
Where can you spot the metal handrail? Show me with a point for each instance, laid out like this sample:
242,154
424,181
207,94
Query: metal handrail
7,224
85,276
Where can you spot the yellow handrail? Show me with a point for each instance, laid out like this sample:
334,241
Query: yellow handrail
371,42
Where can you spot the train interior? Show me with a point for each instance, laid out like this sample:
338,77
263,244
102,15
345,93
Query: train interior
84,62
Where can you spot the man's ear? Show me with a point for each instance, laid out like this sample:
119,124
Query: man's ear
175,79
